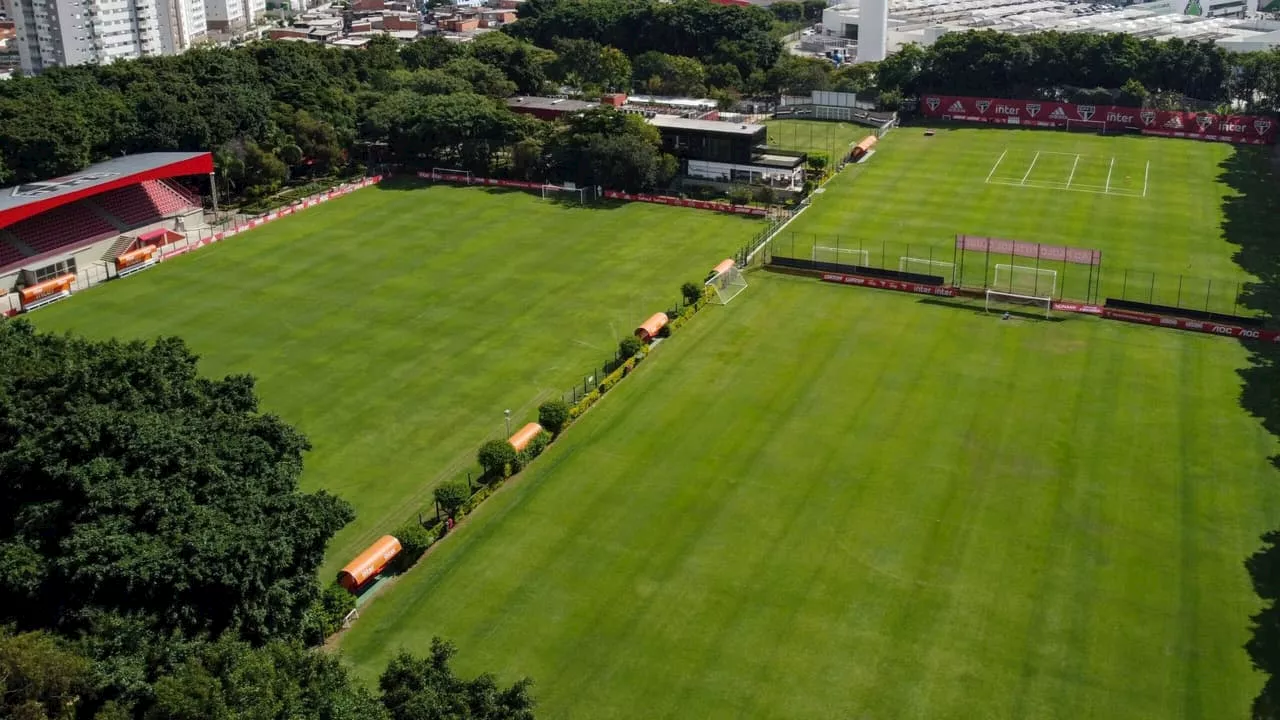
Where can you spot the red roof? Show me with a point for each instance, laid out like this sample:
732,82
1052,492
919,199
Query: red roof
30,199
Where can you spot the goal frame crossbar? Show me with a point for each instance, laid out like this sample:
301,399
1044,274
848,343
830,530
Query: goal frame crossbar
863,254
1037,271
904,260
548,190
726,285
1018,298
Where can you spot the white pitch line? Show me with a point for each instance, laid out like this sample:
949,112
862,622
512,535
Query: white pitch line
998,161
1030,168
1109,169
1073,171
1145,176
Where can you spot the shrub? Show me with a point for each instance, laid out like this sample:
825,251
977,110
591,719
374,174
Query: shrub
451,496
766,195
629,346
536,446
324,617
414,540
692,292
495,457
553,415
740,195
472,502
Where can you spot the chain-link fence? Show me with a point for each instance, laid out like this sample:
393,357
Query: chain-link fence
1059,279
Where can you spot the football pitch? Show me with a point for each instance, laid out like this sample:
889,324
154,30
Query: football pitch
1152,206
827,502
395,325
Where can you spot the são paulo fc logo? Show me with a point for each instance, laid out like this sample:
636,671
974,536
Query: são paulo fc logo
1033,109
932,102
1262,126
1205,122
982,106
1086,112
1148,117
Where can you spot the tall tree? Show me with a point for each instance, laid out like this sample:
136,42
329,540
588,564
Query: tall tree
426,688
135,487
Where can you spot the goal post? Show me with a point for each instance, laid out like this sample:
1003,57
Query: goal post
1025,280
451,175
726,282
924,266
1008,298
841,256
553,191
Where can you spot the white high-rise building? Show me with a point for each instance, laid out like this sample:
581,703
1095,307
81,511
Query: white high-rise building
873,30
54,33
233,16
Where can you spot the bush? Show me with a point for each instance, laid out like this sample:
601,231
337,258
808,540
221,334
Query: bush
495,457
553,415
692,292
326,613
452,496
535,447
766,195
740,195
629,346
472,502
414,541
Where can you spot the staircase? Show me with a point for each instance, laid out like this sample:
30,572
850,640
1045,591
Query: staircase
118,248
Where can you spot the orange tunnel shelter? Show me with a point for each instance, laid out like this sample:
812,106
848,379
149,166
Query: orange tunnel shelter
724,266
369,563
135,257
864,146
49,288
648,330
525,435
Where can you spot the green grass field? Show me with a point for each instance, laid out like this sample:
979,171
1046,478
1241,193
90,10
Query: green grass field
394,326
829,502
1160,230
815,136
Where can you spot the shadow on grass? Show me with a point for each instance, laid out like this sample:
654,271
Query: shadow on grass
979,309
1249,222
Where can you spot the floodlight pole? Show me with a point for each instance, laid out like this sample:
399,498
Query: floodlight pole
507,415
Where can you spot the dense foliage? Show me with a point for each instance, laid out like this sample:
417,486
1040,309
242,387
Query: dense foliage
157,559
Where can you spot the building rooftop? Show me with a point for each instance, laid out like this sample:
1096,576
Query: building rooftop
712,126
546,103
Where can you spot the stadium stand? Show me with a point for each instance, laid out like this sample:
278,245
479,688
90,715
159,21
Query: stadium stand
75,223
142,204
78,216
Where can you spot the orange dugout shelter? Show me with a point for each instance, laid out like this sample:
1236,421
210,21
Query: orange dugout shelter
648,329
369,563
525,435
864,146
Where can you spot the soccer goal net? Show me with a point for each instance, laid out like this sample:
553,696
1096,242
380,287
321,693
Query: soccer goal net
451,174
1025,280
842,256
997,298
566,192
923,266
726,283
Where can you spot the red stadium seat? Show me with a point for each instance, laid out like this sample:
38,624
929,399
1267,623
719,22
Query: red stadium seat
69,224
143,204
8,253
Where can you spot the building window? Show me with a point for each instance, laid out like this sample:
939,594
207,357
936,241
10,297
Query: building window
49,272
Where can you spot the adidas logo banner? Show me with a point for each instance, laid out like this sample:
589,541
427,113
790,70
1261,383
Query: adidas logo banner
1174,122
1148,117
982,106
1058,114
932,102
956,107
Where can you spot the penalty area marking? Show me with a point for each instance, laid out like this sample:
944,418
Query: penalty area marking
998,161
1049,185
1073,171
1030,168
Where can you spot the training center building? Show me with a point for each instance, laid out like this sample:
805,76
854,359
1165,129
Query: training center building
734,153
109,219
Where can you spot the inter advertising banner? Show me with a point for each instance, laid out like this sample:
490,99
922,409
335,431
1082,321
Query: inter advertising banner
885,284
1246,129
